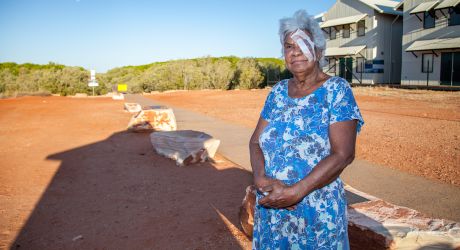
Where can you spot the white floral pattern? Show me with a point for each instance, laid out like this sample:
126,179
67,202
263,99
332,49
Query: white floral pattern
295,140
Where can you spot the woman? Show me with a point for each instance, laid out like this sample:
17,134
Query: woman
304,139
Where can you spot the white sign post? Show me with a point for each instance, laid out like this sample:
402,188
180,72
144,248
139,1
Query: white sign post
92,81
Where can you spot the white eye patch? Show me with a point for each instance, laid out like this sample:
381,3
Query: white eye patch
306,45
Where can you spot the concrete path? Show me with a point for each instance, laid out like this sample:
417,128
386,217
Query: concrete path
432,198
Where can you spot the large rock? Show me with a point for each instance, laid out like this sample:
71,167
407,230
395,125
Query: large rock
247,210
380,225
377,224
132,107
118,96
153,118
184,146
80,95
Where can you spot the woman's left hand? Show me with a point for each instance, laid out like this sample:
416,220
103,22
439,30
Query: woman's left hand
281,196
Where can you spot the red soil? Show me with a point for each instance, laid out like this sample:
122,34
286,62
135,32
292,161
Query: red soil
72,178
413,131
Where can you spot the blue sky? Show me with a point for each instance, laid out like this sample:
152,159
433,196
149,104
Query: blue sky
103,34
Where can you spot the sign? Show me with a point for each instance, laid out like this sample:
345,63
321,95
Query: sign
374,66
93,75
92,81
122,88
93,84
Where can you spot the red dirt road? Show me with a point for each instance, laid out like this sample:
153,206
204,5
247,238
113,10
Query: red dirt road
414,131
71,177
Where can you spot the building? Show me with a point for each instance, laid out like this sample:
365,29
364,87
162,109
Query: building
431,42
363,41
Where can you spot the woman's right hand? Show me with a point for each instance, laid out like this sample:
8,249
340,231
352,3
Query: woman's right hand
279,195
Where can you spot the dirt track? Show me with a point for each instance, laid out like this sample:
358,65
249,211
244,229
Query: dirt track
414,131
70,177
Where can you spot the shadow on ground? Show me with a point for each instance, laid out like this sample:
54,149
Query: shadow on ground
118,194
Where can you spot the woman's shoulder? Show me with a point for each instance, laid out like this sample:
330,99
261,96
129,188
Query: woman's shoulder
279,86
335,83
337,80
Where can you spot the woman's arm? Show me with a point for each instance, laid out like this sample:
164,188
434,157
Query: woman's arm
342,136
257,157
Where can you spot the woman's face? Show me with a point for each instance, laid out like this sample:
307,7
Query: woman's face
296,61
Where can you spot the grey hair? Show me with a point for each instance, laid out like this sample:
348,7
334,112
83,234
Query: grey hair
301,20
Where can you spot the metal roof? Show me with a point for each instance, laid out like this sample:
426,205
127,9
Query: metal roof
342,21
344,51
426,6
447,4
319,18
400,5
434,44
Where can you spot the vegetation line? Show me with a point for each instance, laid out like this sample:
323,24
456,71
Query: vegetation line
190,74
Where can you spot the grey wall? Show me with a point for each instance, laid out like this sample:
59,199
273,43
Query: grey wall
377,39
411,73
390,31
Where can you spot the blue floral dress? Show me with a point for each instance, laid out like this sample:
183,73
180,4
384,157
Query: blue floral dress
295,140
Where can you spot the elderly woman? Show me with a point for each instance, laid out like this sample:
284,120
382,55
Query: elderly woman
304,139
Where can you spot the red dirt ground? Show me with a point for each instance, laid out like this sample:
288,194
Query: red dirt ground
414,131
72,178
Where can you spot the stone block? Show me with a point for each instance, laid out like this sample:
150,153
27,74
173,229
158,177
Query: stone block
118,96
184,146
247,210
381,225
376,224
153,118
132,107
80,95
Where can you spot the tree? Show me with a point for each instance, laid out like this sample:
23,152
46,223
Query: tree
249,74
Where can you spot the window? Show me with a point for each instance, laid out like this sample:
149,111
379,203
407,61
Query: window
332,65
346,31
428,20
361,28
326,32
333,34
360,65
454,16
427,63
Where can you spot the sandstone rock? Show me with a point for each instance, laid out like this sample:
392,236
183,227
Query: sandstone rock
153,118
381,225
376,224
184,146
247,210
118,96
80,95
132,107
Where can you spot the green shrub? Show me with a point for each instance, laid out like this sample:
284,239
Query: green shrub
50,78
199,73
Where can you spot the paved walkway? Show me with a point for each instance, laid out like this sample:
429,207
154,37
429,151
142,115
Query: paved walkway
432,198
